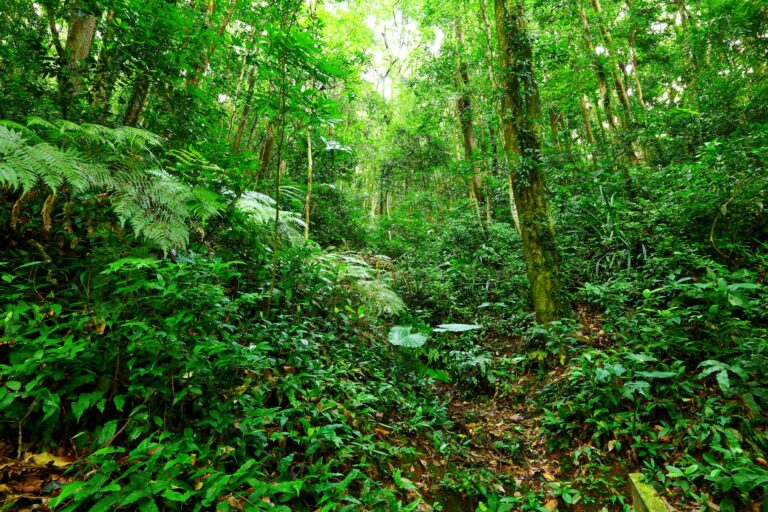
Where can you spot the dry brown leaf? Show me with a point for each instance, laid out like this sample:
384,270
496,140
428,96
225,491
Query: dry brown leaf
46,459
551,505
549,477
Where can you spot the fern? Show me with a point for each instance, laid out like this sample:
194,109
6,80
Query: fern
85,159
372,286
261,208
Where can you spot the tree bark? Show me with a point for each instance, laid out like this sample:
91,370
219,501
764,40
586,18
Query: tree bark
521,109
137,101
238,139
82,28
80,33
266,152
586,120
103,84
602,81
464,107
616,71
308,200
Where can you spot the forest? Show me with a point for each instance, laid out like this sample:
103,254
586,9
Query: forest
395,255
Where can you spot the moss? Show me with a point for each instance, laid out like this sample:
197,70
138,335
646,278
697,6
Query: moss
644,496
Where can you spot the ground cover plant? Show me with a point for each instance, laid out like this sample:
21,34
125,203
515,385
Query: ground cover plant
411,255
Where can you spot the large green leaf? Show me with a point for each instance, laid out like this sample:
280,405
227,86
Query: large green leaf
457,327
402,336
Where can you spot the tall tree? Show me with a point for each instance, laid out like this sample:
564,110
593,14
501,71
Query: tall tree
465,112
522,141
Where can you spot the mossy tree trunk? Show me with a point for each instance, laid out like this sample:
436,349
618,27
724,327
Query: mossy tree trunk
522,141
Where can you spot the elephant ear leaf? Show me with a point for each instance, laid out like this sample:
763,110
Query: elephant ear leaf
402,336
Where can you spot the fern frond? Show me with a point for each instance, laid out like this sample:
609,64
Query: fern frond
27,166
372,287
23,130
261,209
136,138
156,205
38,121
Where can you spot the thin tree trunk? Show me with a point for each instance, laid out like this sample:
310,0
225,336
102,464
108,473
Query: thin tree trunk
266,152
308,200
602,82
137,101
464,107
554,119
635,69
237,94
586,120
615,66
522,110
103,84
238,139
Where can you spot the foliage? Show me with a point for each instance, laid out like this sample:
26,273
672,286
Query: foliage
265,256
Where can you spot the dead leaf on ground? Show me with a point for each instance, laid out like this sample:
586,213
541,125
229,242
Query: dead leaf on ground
46,459
551,505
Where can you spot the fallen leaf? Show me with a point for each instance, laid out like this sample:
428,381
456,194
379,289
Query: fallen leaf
551,505
762,462
549,477
46,459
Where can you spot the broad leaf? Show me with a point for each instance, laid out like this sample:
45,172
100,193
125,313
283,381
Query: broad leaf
457,327
401,336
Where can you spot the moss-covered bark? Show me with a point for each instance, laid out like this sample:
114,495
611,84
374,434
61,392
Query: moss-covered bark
522,140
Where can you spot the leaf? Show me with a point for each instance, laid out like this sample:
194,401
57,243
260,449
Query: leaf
641,358
46,459
656,374
401,336
457,327
724,381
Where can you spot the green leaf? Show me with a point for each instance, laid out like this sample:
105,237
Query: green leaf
656,375
79,407
724,381
401,336
13,385
457,327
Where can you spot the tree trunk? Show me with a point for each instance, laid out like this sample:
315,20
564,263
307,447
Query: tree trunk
308,200
635,70
244,117
586,120
602,81
554,126
464,107
103,83
137,101
616,71
266,152
522,110
82,28
80,33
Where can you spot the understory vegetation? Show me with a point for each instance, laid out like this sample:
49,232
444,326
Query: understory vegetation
411,255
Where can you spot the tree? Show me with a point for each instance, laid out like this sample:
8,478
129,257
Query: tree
522,141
